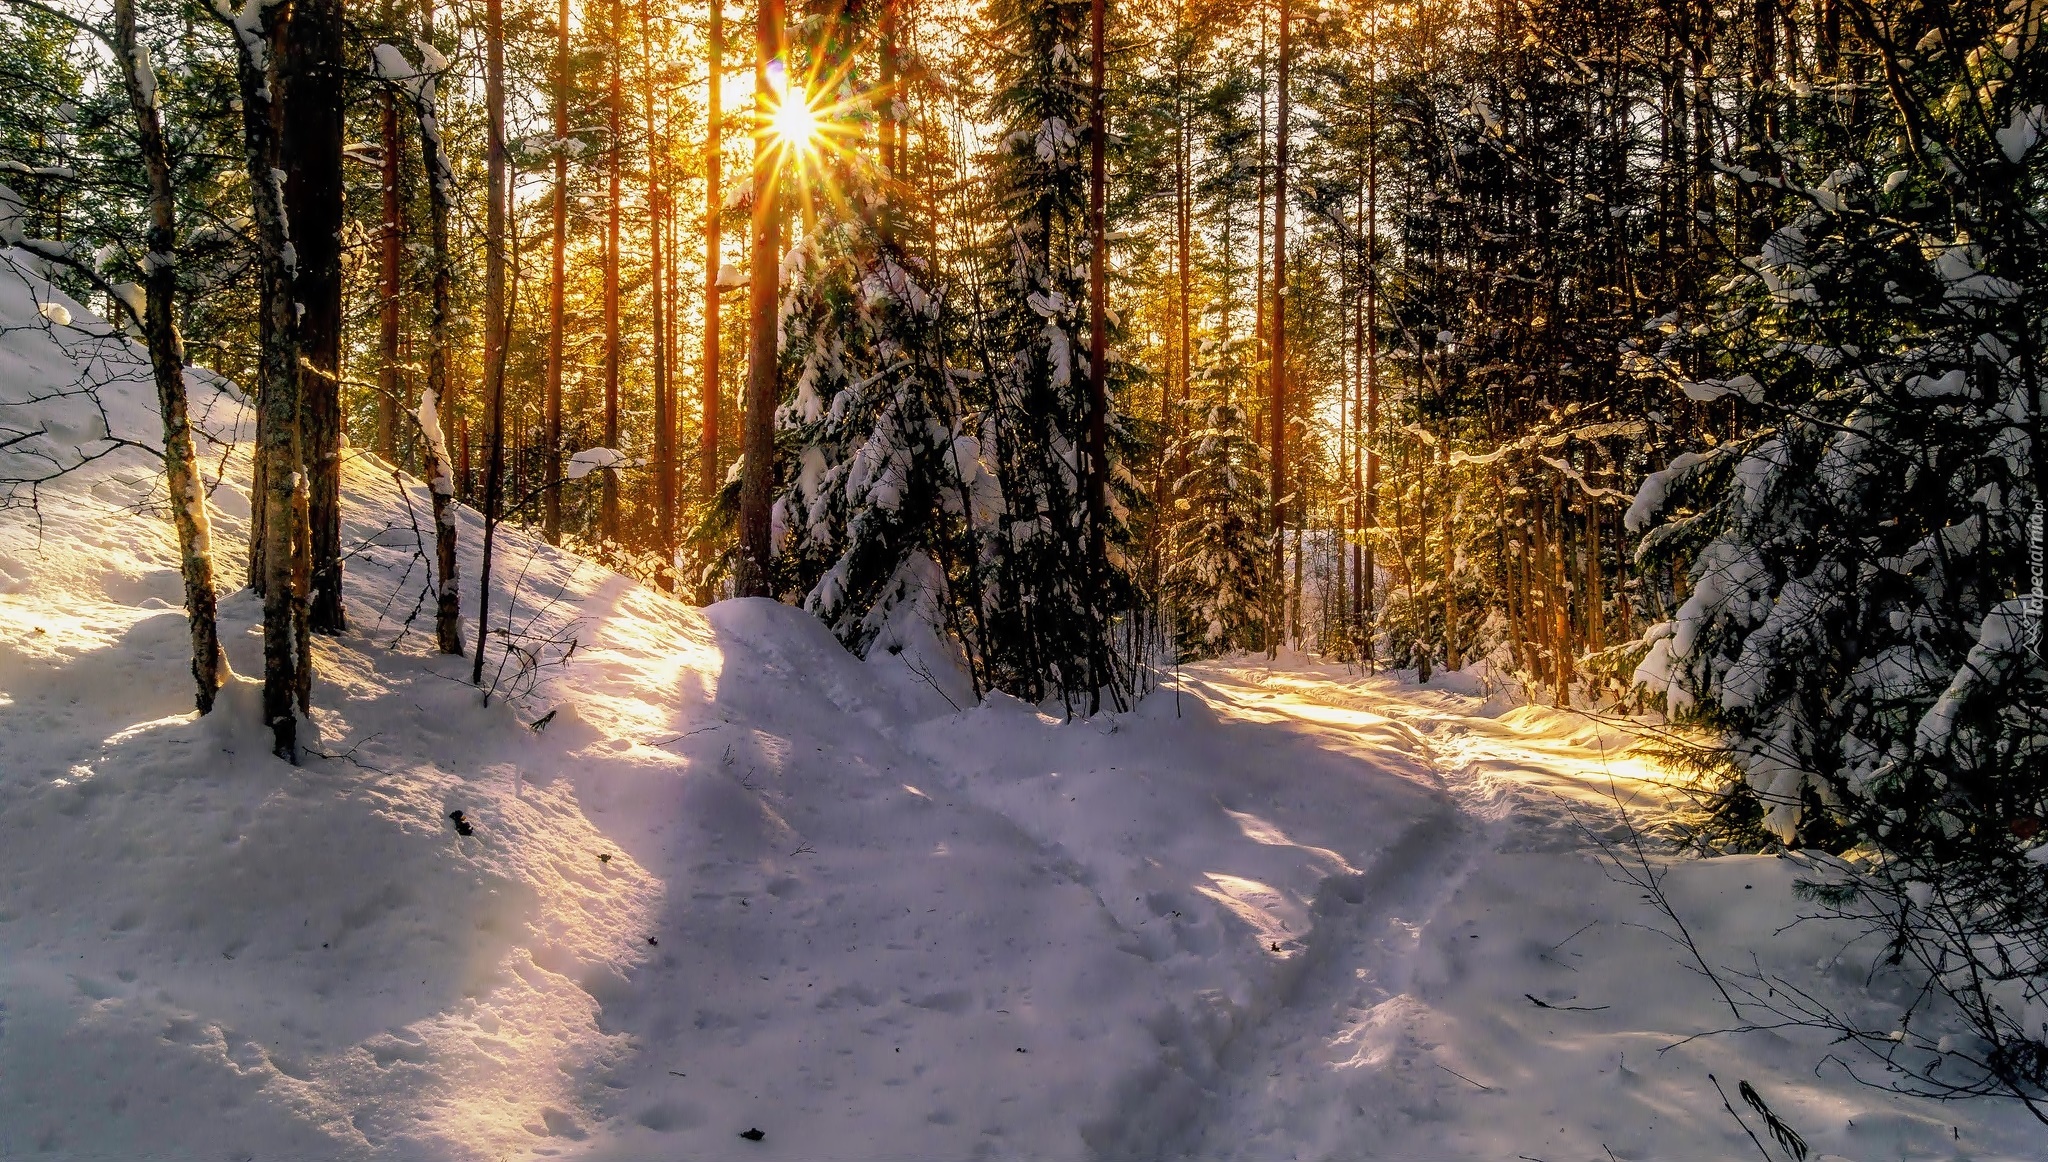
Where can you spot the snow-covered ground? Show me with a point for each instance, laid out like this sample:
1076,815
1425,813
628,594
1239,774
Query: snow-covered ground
725,877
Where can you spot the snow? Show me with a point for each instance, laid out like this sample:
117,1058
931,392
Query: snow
723,875
2019,136
428,416
595,459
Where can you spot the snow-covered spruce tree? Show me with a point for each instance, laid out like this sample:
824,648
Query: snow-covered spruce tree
877,473
1048,610
1863,628
1221,552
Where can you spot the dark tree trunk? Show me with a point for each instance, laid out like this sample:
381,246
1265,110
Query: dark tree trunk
657,270
390,385
551,455
495,316
1098,366
608,510
311,95
1279,323
1369,431
714,201
763,372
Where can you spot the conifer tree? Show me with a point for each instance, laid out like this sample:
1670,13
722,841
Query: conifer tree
1046,602
875,457
1222,554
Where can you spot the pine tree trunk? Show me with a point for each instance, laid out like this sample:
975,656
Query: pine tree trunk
1279,318
886,144
1259,335
1454,647
1561,615
496,317
390,387
551,454
310,95
751,575
615,100
279,449
1354,619
714,198
657,269
1098,365
167,365
1370,432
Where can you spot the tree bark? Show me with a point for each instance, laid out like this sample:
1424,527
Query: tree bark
714,204
1279,320
763,373
167,364
311,98
608,502
390,386
437,465
657,269
495,315
1259,334
1370,431
1098,360
279,450
551,455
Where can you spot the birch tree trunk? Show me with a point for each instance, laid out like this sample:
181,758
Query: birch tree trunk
436,463
167,363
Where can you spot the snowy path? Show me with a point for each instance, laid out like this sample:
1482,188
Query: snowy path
1409,1035
1340,1056
716,875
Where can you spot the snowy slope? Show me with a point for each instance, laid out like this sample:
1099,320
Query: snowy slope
741,880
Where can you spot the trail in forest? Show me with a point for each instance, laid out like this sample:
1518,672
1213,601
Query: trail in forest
1489,989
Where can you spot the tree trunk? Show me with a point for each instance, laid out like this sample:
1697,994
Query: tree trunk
1370,434
887,137
615,100
495,316
1454,646
390,387
1279,319
763,374
167,365
279,450
657,269
1259,264
1360,583
1098,364
714,201
437,465
310,99
551,454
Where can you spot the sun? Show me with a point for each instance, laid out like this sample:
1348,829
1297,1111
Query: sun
794,124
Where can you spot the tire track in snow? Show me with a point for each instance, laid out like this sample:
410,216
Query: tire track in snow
1295,1085
1345,1058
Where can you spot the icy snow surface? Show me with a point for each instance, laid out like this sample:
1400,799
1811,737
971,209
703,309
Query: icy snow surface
741,880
